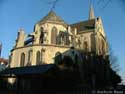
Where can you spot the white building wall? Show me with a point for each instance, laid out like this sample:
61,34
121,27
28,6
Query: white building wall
49,55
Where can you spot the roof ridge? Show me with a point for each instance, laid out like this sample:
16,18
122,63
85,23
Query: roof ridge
82,21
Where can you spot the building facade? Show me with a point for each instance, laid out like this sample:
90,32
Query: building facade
3,62
52,35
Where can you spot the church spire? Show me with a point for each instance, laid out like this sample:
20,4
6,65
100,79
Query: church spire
91,11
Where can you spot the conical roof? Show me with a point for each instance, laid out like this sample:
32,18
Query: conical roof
52,17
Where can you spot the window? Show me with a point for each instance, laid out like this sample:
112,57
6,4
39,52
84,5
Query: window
38,58
79,42
53,35
30,53
66,38
59,38
42,35
85,45
22,60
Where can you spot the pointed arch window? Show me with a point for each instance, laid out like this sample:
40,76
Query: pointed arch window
30,53
66,38
53,35
42,35
38,61
22,60
43,56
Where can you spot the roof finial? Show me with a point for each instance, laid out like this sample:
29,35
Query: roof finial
91,11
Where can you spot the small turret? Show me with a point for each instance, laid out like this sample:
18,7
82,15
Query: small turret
20,39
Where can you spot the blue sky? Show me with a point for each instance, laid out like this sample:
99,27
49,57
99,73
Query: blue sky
16,14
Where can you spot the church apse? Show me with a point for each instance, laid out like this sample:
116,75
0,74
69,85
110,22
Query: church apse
54,35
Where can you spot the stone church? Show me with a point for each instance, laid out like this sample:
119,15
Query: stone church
52,35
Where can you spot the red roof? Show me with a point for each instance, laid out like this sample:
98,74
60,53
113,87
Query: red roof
5,61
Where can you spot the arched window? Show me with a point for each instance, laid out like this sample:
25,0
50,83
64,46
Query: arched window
43,56
53,35
59,38
22,60
38,58
85,45
79,42
30,53
42,35
66,38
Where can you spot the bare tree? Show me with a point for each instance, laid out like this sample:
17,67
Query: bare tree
113,60
124,79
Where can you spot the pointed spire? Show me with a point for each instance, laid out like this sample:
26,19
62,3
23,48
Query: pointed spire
91,11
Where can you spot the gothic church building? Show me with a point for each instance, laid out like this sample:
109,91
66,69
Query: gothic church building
52,35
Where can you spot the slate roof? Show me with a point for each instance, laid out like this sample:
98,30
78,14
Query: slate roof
27,70
52,17
84,25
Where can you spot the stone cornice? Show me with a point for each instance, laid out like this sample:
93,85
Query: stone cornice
54,22
51,45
